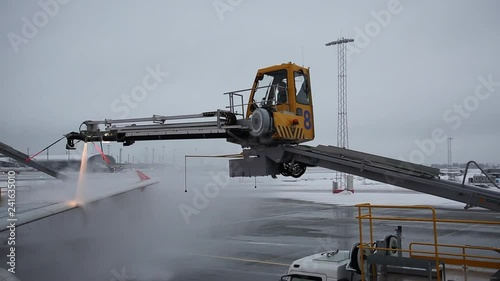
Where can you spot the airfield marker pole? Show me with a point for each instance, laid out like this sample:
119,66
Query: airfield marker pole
185,173
46,148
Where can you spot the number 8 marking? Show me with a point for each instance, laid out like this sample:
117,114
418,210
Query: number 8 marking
307,120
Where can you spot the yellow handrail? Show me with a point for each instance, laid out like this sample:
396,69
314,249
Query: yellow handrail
371,218
451,258
464,258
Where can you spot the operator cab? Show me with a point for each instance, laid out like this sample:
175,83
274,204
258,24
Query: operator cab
280,105
277,89
270,90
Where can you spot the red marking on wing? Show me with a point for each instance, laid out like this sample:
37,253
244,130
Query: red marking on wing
142,176
102,154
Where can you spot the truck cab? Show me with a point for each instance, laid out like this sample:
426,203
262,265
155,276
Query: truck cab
326,266
280,108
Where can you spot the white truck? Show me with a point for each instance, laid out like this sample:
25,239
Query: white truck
343,265
326,266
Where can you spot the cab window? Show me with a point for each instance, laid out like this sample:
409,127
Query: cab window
301,87
271,89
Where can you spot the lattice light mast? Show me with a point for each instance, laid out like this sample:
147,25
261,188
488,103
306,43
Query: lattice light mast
342,128
451,175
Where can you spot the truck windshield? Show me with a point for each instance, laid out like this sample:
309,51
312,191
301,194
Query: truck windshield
297,277
268,87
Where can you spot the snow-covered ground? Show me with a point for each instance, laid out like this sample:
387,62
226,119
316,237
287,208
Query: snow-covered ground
316,186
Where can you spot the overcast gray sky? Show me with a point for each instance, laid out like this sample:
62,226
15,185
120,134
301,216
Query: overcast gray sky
412,64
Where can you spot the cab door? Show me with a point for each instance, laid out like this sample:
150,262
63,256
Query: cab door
301,102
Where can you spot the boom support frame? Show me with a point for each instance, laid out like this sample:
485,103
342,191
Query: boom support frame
382,169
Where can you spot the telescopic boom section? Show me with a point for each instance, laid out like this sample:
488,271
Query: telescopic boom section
279,111
207,125
279,115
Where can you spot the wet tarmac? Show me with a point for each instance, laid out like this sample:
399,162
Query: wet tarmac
165,234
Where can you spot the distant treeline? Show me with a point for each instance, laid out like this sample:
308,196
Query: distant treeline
462,165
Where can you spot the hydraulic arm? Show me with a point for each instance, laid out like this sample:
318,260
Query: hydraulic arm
279,111
217,124
278,117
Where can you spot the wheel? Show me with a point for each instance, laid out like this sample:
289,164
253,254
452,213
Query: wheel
354,259
298,169
260,123
295,170
392,243
284,171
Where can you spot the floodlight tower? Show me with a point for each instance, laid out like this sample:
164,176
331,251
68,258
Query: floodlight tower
342,128
449,152
451,175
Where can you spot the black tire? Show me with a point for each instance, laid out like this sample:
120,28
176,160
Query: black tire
260,123
392,243
353,261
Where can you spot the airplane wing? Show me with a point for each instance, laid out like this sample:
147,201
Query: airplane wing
36,211
235,155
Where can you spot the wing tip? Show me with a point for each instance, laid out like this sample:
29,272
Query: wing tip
142,176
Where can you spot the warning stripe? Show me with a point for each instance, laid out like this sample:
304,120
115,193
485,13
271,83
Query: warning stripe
280,131
292,133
